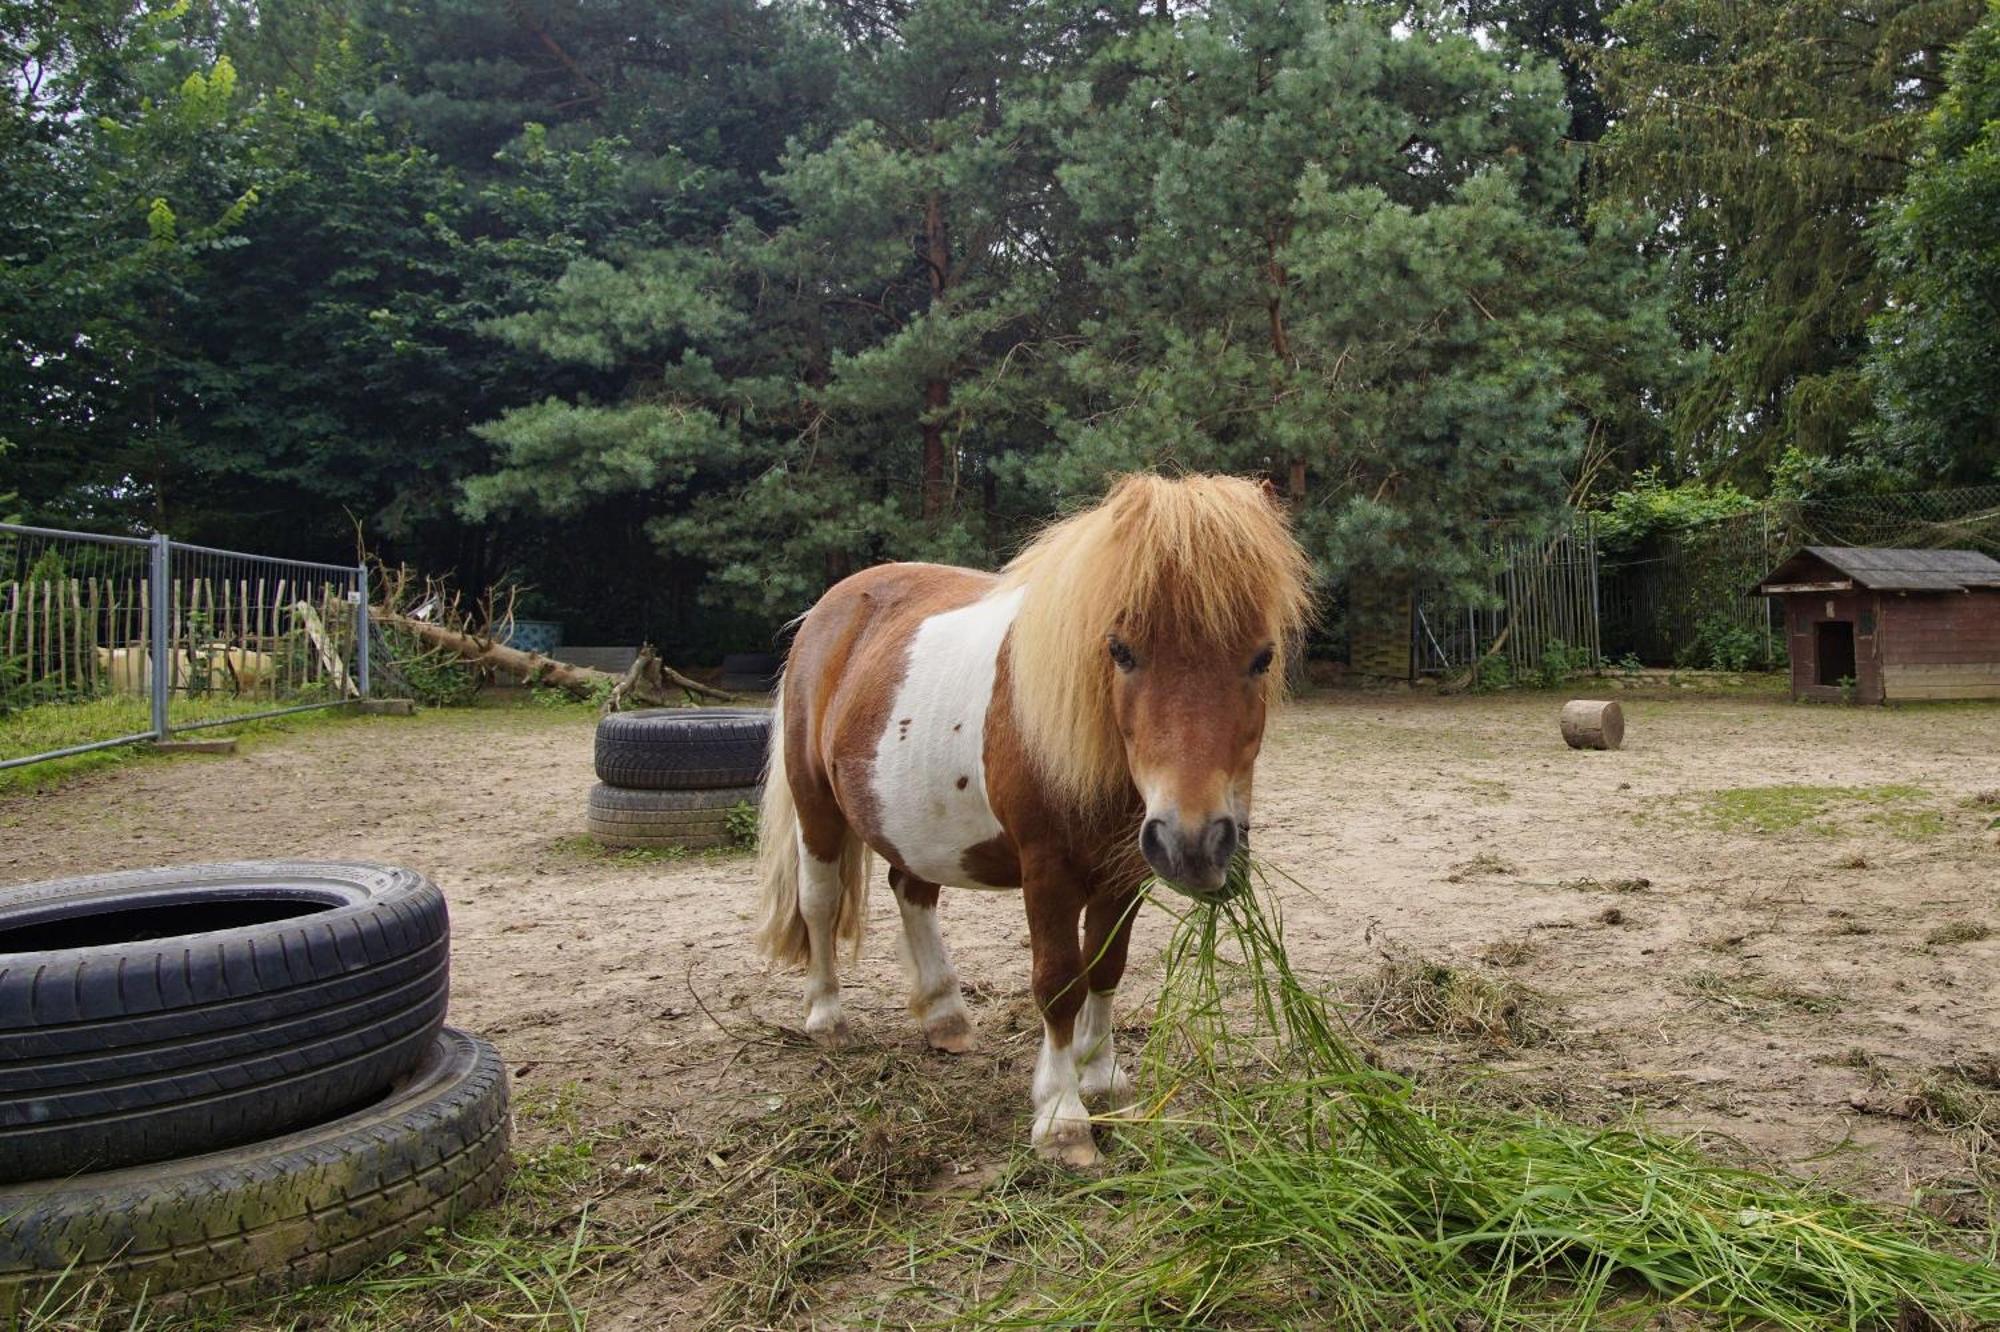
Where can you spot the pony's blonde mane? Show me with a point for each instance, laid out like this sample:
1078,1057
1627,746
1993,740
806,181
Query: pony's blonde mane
1195,560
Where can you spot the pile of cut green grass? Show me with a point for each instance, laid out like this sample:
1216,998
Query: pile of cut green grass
1272,1177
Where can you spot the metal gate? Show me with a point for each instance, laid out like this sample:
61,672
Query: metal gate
1544,596
110,640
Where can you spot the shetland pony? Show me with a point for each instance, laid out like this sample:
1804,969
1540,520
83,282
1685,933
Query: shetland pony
1088,715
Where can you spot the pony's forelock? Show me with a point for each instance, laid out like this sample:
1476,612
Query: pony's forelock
1197,561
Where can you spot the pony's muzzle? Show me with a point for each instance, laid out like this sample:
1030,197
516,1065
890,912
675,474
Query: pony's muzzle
1196,861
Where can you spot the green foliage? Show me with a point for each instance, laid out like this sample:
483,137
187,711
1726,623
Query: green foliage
1492,673
681,312
1726,643
434,677
547,696
1759,135
742,825
1559,662
1936,346
1650,507
1333,252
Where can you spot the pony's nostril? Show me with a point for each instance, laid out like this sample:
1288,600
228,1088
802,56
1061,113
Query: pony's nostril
1153,843
1220,843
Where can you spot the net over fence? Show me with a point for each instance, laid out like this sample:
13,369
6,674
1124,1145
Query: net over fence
1966,518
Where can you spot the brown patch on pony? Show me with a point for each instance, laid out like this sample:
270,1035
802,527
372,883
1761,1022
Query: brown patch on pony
1198,560
993,863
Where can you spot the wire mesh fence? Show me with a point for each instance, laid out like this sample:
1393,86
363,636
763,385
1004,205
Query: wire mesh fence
1683,598
107,640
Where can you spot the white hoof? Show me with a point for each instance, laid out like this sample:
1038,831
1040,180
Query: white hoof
1066,1137
952,1033
829,1029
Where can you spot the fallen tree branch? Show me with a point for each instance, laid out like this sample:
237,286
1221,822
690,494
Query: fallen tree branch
645,684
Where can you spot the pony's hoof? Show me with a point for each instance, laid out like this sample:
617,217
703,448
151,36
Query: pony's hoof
1077,1153
830,1033
952,1034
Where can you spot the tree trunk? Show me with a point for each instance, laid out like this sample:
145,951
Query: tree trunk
937,391
1593,724
644,683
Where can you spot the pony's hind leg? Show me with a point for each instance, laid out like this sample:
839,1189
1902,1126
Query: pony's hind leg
934,996
820,891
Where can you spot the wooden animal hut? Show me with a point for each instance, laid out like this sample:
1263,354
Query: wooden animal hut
1879,625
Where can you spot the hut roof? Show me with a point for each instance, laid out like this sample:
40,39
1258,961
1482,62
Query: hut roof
1884,569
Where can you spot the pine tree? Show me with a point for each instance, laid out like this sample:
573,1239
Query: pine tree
1336,253
1761,137
1936,349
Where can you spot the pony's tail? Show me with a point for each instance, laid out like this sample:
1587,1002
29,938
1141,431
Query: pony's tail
781,926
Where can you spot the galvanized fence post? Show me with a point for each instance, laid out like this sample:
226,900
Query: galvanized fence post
162,674
361,621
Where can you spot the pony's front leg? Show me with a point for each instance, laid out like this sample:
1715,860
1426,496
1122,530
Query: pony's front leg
1062,1125
1107,934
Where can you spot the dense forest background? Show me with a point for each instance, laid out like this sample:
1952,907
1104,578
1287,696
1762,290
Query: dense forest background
679,312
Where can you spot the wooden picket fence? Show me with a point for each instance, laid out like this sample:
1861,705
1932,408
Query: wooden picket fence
275,639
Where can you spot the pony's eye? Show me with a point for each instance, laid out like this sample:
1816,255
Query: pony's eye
1122,656
1262,661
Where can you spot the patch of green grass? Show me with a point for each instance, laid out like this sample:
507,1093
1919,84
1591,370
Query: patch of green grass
1271,1177
1912,825
49,726
1769,809
1280,1180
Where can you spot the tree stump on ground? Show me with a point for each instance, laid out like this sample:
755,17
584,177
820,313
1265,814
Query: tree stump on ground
1593,724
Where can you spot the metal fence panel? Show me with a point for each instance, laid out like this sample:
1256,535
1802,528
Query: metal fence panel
1544,599
107,640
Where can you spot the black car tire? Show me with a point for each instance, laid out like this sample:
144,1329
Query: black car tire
659,820
314,1205
170,1012
683,749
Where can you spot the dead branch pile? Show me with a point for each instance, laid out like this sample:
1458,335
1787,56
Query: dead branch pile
435,614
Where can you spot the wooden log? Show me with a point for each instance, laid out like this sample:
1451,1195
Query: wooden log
535,669
1593,724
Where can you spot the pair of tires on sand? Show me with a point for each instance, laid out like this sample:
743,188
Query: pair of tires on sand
669,777
231,1080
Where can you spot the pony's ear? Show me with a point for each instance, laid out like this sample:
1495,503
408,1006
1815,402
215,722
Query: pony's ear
1275,496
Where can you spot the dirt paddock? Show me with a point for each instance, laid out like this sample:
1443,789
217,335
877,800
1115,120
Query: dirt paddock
1761,919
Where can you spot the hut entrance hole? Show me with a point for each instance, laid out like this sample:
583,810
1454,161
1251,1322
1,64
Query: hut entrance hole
1834,650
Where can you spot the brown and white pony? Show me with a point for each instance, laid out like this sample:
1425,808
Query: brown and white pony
1091,712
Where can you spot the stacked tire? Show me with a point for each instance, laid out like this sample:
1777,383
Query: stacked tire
674,777
221,1081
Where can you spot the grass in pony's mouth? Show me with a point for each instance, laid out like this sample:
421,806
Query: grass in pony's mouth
1270,1176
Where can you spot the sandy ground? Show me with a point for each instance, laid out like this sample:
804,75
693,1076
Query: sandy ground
1729,992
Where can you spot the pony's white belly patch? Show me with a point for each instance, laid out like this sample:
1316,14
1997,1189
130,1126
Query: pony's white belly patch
929,777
